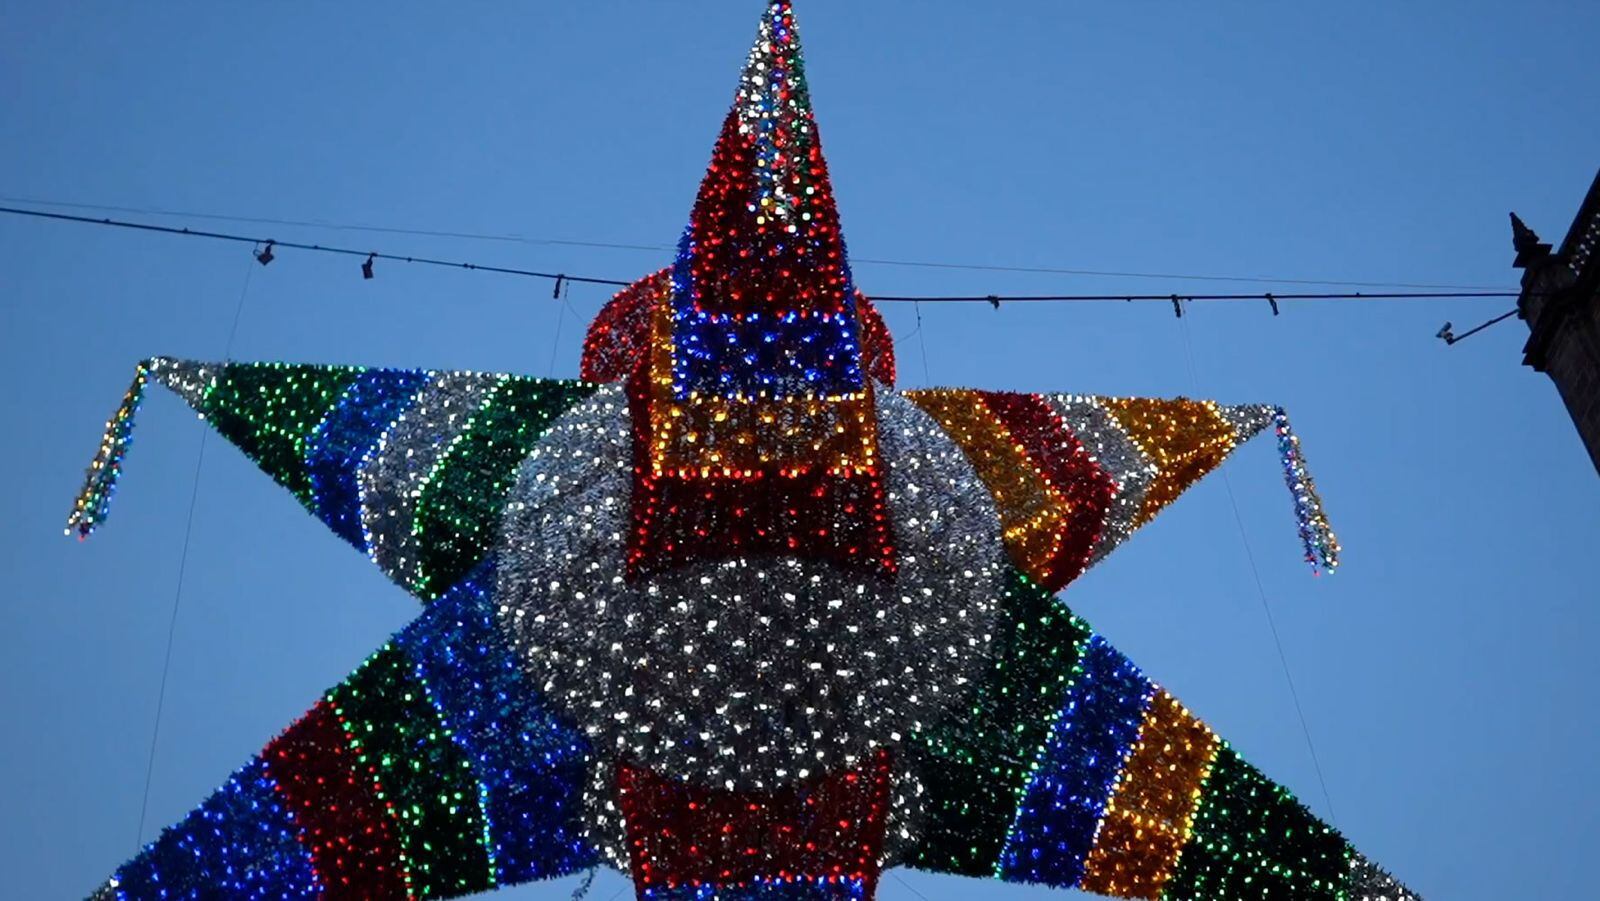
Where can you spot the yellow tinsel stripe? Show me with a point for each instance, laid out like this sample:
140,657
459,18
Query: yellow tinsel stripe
1185,439
1032,513
1151,811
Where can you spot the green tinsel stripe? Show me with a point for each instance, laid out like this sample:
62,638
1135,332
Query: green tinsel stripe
458,515
1252,839
422,777
270,409
976,767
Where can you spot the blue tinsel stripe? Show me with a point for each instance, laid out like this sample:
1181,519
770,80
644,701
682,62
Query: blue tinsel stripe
241,843
1063,805
336,450
532,767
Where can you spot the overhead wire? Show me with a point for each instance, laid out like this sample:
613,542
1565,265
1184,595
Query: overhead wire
340,226
994,299
1167,276
656,248
297,245
612,245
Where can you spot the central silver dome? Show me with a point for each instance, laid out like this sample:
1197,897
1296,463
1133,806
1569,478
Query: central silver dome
752,672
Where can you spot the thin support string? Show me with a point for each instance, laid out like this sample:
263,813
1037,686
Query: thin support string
183,564
1261,593
922,342
561,316
172,630
1283,658
909,887
566,302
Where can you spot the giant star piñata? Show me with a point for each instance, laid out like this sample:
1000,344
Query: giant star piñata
731,614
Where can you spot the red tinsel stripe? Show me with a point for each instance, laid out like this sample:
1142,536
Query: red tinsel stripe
829,827
814,514
342,822
877,344
1071,473
619,338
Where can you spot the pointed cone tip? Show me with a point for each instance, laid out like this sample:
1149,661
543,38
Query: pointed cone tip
765,235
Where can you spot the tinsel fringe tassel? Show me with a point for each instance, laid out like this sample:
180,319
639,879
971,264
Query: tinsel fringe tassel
94,501
1321,545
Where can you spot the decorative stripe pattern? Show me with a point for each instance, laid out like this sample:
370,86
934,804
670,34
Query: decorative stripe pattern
411,467
738,472
696,842
763,302
241,843
1052,495
343,442
434,771
405,461
759,670
1117,455
1184,440
342,823
1074,476
1080,488
529,766
618,340
407,780
1146,823
1129,795
269,410
1063,806
460,506
418,773
976,766
1252,837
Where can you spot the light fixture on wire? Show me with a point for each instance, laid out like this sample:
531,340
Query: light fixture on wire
264,255
1448,335
366,268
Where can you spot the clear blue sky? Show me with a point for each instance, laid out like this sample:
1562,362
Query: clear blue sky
1445,671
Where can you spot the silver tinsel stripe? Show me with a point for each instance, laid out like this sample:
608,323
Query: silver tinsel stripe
939,508
404,459
571,496
1098,431
746,674
1246,420
1368,882
188,379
